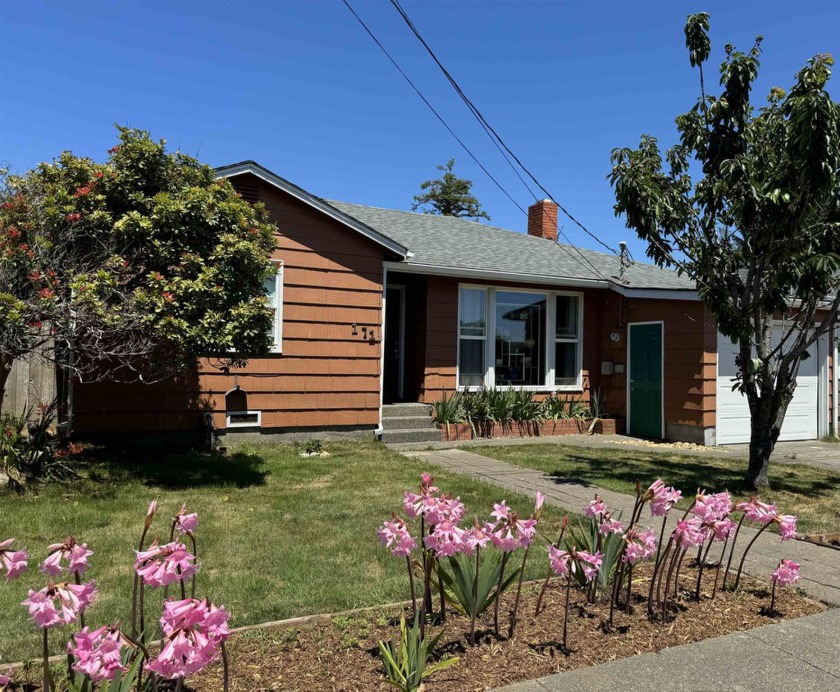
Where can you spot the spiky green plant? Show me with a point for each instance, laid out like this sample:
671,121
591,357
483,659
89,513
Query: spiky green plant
407,662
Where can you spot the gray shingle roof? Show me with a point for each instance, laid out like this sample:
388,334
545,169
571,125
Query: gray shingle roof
452,243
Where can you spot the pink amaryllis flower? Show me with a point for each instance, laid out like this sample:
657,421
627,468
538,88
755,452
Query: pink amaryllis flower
786,573
661,498
712,507
610,525
394,535
6,678
477,537
162,565
722,529
59,604
98,654
569,562
595,507
510,531
193,632
417,504
689,533
641,545
74,554
444,509
13,562
787,525
184,522
757,511
446,539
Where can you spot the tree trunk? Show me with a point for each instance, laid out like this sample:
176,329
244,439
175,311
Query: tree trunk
763,436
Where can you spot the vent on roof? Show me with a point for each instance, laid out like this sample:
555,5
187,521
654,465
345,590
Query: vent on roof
250,193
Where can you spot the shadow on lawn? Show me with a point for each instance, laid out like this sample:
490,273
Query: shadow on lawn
181,471
688,474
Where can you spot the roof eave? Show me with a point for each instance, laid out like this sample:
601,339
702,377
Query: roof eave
316,202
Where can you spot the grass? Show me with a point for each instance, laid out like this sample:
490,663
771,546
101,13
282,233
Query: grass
812,494
279,536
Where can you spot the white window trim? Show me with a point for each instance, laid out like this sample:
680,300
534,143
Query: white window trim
257,424
277,331
490,339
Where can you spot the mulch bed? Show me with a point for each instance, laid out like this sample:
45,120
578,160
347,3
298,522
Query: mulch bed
342,655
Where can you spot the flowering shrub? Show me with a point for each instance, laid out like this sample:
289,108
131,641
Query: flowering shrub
194,630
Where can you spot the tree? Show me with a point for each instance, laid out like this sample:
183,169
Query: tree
132,268
759,228
449,195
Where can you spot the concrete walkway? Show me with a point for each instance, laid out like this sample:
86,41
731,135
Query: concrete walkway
820,565
800,655
824,455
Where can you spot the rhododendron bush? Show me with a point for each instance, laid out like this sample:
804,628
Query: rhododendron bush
193,630
470,561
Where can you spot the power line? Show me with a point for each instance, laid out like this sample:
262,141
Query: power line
489,127
583,261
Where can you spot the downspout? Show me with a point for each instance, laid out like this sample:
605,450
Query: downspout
834,387
379,427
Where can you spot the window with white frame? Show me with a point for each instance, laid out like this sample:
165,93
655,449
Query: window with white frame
535,338
472,336
274,293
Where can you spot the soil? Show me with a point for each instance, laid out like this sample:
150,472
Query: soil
342,655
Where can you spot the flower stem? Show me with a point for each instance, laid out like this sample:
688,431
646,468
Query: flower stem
548,575
78,581
411,585
474,597
732,550
719,566
773,599
499,593
744,556
566,610
442,592
225,668
515,610
46,661
195,574
701,567
629,589
137,586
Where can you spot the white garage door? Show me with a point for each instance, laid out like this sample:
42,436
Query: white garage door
733,411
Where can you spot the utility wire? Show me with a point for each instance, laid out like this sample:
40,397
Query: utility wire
489,127
583,261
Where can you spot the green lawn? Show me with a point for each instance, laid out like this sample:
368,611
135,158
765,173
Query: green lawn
810,493
279,535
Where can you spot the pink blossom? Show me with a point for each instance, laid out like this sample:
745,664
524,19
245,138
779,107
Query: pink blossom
689,533
59,604
786,573
445,509
394,534
566,562
759,512
500,511
477,537
559,560
446,539
98,654
723,528
595,507
193,630
640,545
661,498
787,525
165,564
76,555
610,525
711,508
416,504
6,678
14,562
538,502
186,523
510,532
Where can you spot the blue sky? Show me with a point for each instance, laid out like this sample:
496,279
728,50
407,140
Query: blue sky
300,88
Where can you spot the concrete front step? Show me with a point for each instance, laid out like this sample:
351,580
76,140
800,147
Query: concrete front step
407,422
415,435
403,410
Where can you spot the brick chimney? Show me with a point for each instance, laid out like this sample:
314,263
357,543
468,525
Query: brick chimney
542,219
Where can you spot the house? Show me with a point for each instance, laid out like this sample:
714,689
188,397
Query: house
375,306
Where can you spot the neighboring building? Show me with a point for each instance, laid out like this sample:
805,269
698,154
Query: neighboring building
375,306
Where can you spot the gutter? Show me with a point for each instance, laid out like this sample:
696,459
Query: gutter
463,272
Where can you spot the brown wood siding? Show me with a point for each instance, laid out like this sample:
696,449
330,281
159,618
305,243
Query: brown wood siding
326,377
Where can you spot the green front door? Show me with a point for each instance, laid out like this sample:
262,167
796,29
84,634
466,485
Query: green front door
645,404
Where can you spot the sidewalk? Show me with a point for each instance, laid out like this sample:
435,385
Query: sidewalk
800,655
820,565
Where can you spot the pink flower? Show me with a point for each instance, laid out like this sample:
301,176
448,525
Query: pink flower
477,537
723,528
76,555
394,534
446,539
787,525
445,509
510,532
500,511
539,501
689,533
610,525
595,507
98,654
759,512
661,498
559,560
569,562
165,564
6,678
786,573
640,545
711,508
416,504
59,604
14,562
186,523
193,630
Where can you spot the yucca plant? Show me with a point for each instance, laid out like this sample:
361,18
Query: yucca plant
525,408
406,663
554,407
500,404
448,410
579,410
597,408
585,536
